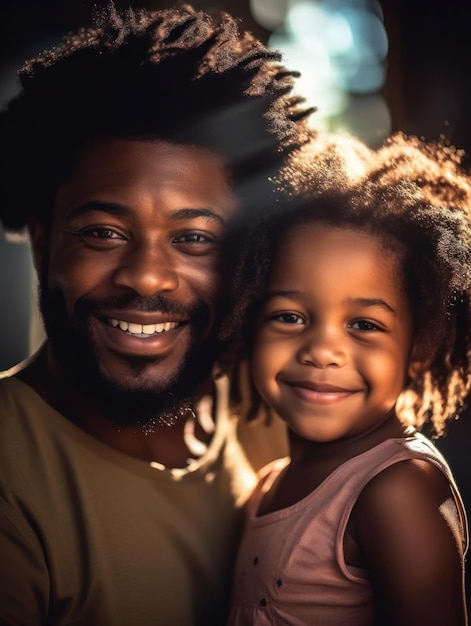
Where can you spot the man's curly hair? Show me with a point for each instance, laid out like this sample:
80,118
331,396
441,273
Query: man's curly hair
416,197
176,75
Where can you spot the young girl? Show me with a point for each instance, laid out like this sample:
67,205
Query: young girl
359,327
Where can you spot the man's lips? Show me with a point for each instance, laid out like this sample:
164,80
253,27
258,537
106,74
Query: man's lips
152,336
140,330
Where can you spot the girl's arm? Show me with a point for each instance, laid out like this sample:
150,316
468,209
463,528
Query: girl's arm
406,525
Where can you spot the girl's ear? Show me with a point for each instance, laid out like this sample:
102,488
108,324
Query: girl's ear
39,241
419,361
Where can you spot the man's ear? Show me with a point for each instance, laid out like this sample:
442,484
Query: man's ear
419,361
39,241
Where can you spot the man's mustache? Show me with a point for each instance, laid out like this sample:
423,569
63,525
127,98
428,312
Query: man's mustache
130,302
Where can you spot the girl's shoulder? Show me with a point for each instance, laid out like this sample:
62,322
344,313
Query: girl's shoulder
409,526
411,483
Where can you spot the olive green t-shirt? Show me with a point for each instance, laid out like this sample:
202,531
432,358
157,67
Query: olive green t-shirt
92,537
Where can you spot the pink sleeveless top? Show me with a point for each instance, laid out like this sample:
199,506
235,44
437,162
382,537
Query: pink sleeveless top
291,568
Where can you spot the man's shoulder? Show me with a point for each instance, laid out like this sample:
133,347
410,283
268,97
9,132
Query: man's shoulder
12,388
20,406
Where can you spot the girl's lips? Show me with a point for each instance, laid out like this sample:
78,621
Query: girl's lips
325,397
324,393
319,387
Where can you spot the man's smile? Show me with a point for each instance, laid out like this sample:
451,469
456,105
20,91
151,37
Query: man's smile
135,333
140,330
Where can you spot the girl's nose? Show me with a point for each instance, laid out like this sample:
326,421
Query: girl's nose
323,348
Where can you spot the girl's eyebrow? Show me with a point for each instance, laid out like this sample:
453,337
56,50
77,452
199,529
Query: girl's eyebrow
372,302
282,294
121,210
362,302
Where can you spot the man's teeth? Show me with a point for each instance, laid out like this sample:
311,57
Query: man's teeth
142,329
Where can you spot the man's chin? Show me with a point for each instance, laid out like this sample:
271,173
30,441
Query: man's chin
137,394
137,399
138,408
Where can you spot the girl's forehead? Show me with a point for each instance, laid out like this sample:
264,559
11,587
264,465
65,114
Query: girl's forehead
309,247
316,232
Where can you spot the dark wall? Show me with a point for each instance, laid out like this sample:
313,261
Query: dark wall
428,87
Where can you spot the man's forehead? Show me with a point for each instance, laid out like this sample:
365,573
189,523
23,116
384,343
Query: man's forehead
122,172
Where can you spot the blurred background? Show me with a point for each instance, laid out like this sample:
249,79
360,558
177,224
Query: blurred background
371,67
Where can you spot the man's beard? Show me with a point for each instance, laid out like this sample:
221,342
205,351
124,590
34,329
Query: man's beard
145,407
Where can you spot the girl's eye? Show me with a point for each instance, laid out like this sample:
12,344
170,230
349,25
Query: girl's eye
364,325
287,318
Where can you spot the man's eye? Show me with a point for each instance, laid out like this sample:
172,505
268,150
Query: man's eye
99,237
364,325
102,233
99,232
192,238
197,243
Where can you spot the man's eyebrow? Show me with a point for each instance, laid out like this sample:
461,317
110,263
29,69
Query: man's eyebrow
121,210
113,208
185,214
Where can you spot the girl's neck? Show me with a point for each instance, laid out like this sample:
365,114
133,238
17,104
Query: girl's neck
336,452
312,462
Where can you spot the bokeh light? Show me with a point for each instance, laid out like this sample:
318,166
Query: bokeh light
341,48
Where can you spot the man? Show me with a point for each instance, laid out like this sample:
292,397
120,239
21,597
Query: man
127,154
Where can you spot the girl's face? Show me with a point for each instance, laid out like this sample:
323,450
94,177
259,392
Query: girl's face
333,338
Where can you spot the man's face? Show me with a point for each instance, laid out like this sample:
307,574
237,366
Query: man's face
130,281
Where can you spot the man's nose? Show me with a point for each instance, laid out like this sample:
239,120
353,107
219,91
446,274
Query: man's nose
147,269
323,347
